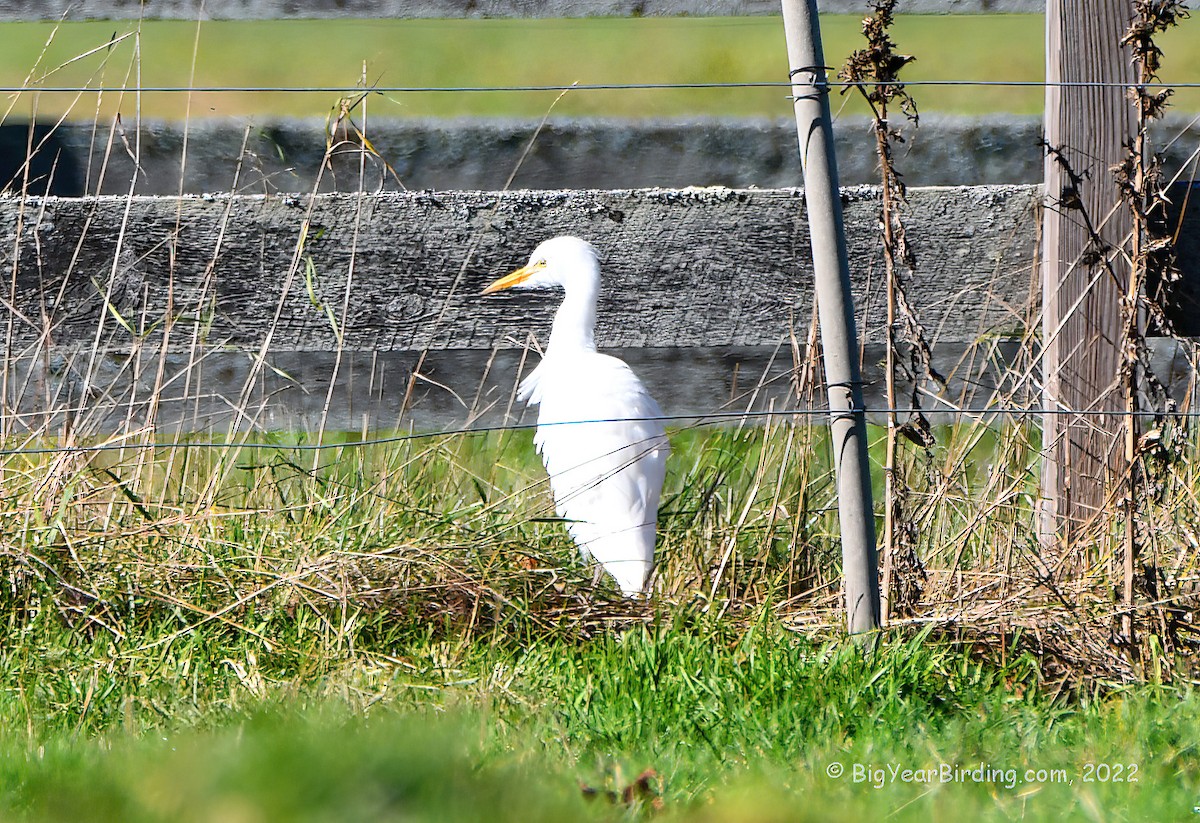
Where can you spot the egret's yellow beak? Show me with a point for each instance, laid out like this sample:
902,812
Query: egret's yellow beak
515,278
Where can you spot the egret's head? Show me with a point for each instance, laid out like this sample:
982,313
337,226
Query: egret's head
560,262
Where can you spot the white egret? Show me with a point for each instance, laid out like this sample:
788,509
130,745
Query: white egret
599,431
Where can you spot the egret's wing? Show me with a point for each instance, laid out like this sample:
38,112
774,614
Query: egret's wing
529,391
596,420
605,453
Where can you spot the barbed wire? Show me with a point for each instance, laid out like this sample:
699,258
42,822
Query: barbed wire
700,419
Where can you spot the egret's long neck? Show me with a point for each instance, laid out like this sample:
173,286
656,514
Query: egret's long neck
576,319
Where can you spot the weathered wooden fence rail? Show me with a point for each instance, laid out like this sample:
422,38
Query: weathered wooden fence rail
287,155
479,155
716,278
684,268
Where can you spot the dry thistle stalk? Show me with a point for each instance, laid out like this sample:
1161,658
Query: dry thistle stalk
874,73
1152,257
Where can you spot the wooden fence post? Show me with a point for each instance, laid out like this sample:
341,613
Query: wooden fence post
1084,226
831,269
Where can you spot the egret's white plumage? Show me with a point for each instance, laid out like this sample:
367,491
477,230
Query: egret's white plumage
597,431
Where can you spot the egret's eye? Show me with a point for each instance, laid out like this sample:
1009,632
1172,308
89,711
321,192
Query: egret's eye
541,263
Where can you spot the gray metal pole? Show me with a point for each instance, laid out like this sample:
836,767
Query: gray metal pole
835,310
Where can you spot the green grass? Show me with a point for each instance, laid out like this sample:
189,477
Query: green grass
742,725
520,52
394,632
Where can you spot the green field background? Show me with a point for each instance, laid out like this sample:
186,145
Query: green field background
420,53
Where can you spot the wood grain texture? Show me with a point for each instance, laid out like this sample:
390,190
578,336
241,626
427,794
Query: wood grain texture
471,388
403,271
269,9
462,388
1083,280
286,155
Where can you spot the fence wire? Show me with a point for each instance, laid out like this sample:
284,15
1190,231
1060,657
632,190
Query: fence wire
696,420
747,84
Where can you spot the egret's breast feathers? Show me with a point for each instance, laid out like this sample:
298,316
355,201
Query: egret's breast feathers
600,436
